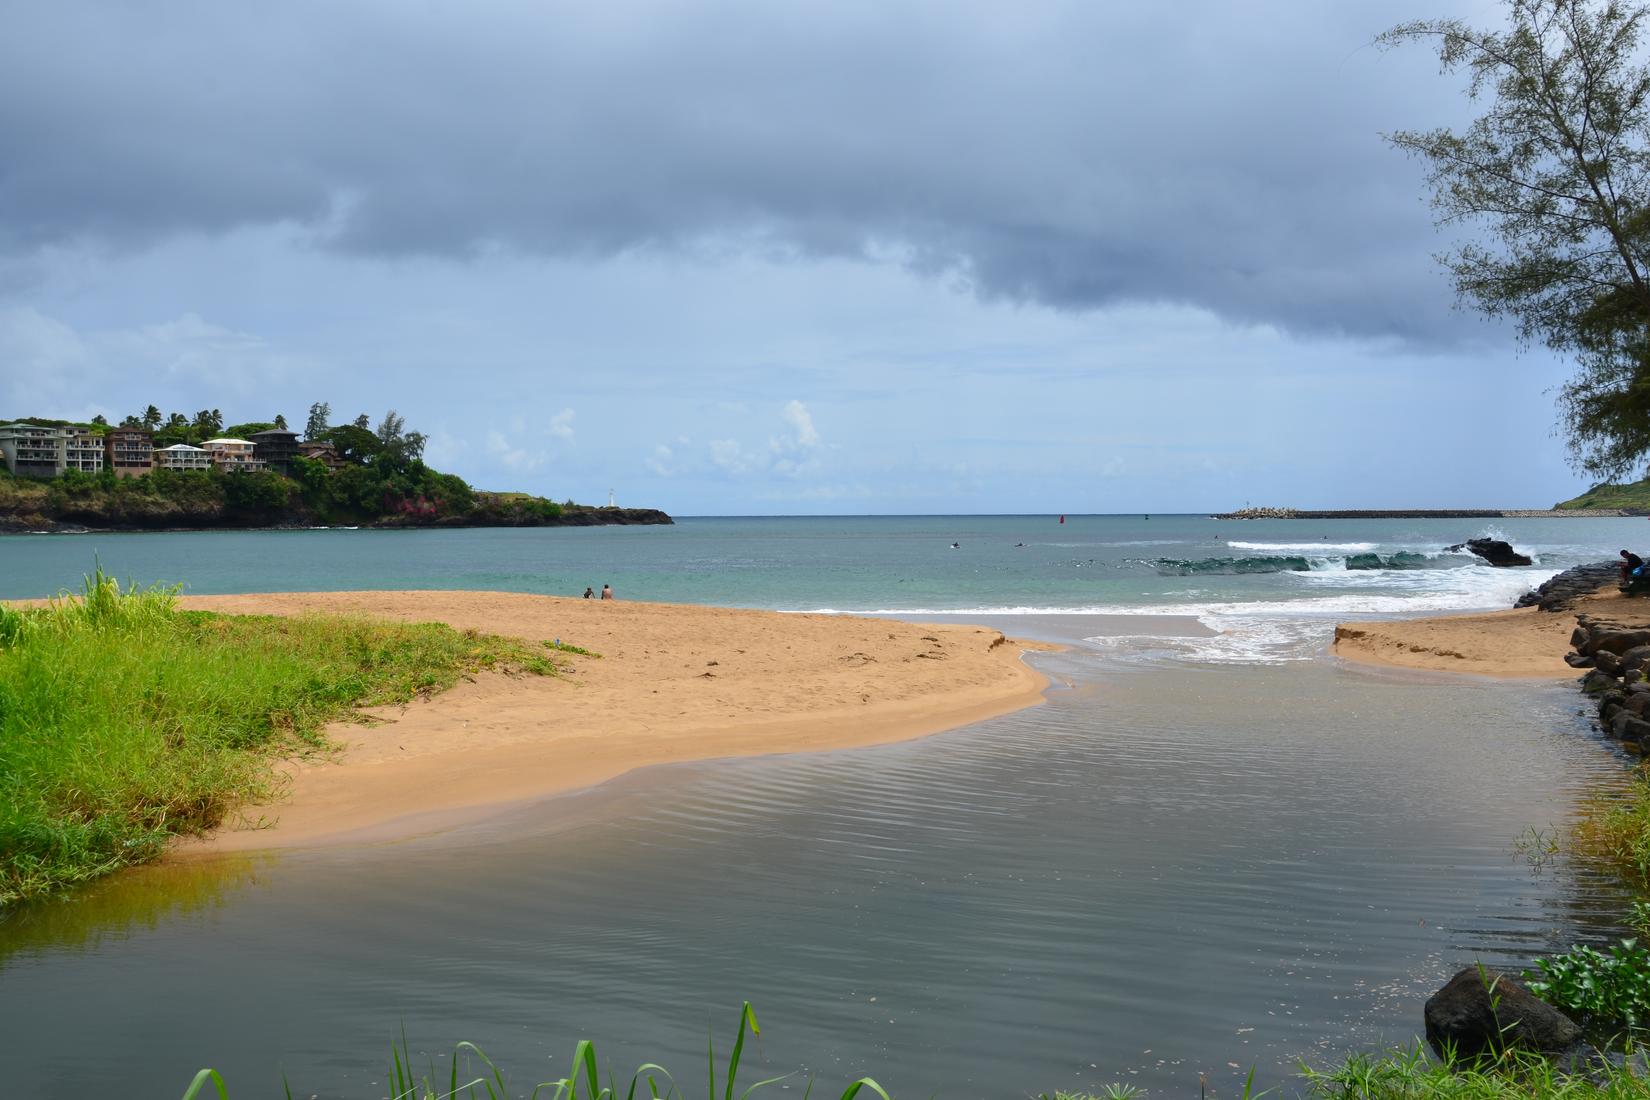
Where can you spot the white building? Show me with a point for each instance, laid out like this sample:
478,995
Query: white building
181,456
233,454
82,451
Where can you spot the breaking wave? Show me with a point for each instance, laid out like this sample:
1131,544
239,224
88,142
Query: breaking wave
1301,563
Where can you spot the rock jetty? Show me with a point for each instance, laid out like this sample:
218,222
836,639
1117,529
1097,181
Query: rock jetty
1616,655
1561,592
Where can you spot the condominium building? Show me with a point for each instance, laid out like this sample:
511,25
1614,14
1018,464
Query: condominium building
276,448
181,456
233,454
47,450
34,450
82,451
129,452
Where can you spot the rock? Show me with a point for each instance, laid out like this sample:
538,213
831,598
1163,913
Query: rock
1611,699
1596,681
1607,662
1638,703
1560,592
1493,551
1637,689
1636,657
1484,1011
1576,660
1577,636
1615,641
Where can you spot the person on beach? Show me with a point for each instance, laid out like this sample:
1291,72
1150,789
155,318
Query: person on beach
589,592
1631,563
607,592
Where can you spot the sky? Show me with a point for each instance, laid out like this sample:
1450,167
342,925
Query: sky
865,256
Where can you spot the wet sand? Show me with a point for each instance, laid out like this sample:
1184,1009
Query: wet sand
673,683
1525,642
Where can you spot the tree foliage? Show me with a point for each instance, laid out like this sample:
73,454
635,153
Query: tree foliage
1557,169
316,426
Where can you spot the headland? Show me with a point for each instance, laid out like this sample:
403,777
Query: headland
671,683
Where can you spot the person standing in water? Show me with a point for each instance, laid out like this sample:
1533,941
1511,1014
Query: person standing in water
607,592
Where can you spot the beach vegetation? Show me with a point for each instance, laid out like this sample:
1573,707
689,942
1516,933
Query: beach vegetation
1412,1074
1634,496
126,721
1556,172
471,1075
1606,992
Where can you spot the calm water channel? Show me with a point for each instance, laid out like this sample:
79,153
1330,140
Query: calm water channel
1183,862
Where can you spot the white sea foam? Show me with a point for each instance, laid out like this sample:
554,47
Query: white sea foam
1297,547
1275,631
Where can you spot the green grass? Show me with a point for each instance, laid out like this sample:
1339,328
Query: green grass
125,721
471,1075
1635,495
1413,1075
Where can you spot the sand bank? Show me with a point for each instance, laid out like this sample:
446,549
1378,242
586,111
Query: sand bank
1526,642
673,683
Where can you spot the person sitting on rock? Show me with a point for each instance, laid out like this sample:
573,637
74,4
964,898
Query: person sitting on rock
1631,566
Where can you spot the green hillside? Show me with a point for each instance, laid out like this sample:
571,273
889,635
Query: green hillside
1633,496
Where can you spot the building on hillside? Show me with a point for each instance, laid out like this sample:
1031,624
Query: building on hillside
233,454
276,448
181,456
35,450
322,451
129,452
83,451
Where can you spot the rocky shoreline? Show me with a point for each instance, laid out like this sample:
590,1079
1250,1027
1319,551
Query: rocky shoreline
35,524
1433,513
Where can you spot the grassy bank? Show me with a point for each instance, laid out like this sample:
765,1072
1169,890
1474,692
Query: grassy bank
125,721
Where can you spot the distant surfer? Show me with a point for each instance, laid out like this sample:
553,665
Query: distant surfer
956,546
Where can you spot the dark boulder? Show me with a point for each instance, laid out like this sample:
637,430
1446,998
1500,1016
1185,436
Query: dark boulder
1607,662
1561,592
1485,1011
1630,728
1615,641
1493,551
1596,681
1576,660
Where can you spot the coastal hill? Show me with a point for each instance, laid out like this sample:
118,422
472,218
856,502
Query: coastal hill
1631,499
60,475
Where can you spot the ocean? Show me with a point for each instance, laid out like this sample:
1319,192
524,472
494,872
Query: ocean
1214,848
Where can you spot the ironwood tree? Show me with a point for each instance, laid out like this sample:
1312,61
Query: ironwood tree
1556,171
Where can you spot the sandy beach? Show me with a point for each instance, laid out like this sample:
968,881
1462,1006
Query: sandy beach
673,683
1524,642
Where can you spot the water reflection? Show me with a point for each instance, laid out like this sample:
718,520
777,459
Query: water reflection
1167,874
98,917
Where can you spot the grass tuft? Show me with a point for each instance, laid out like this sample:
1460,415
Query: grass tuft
126,721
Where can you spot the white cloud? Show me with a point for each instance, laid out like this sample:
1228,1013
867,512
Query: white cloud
796,415
561,425
511,456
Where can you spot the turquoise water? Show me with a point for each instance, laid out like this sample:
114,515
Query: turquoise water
1209,850
1001,563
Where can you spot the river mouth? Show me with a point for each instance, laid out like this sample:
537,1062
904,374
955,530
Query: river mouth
1180,868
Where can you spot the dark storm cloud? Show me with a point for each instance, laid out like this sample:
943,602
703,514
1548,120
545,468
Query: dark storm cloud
1221,155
